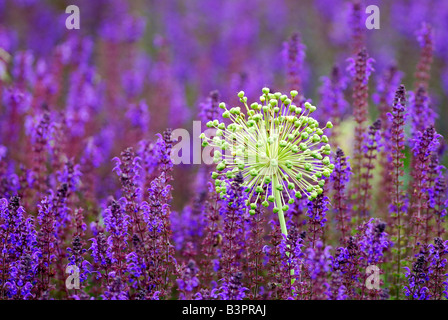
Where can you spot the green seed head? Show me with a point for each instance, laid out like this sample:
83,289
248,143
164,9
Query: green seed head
276,146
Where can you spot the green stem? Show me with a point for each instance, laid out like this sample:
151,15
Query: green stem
281,216
278,204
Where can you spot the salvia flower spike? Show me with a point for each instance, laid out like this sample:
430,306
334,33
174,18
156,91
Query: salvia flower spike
280,150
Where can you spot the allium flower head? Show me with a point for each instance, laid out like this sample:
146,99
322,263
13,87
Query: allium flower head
276,145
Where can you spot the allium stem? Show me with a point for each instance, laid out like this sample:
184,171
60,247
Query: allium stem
281,218
278,202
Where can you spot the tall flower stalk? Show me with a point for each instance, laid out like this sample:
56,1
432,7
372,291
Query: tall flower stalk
397,206
339,179
371,148
425,144
360,69
425,38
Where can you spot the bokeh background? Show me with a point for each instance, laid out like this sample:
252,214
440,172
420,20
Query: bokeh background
137,67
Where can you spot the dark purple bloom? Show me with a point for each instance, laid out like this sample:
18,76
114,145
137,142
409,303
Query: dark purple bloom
417,278
339,179
188,280
374,242
317,209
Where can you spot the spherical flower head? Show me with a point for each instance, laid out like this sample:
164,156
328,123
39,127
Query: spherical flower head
276,145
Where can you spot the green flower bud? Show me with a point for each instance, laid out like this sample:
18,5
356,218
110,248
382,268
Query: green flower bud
250,123
221,166
241,94
235,110
293,93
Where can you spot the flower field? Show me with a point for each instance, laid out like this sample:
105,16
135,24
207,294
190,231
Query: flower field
223,150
